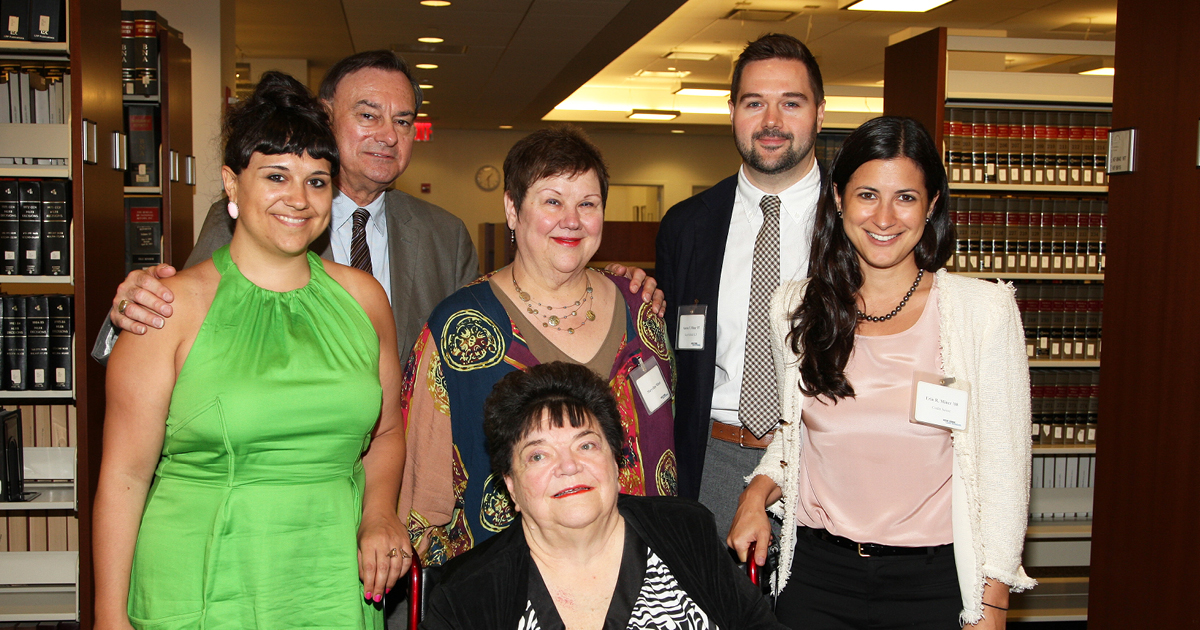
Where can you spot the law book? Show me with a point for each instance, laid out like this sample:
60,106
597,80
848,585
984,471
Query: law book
128,54
15,343
56,225
5,112
61,330
1028,320
15,14
990,138
1067,147
974,228
14,94
1051,150
37,324
1103,123
1003,144
1087,149
140,123
1041,146
143,232
26,111
1076,161
145,29
1044,300
1027,146
45,21
947,133
978,146
29,259
957,142
10,212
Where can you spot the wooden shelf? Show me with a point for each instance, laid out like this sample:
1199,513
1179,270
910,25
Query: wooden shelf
1004,275
1041,528
36,280
1046,363
1028,188
1053,599
42,48
43,171
54,496
1064,449
46,394
49,603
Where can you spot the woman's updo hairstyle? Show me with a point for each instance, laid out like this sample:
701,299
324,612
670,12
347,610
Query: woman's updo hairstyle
281,116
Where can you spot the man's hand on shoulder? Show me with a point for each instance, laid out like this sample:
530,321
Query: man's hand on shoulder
142,300
639,280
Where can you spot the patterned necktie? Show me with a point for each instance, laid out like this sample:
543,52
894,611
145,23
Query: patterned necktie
759,405
360,254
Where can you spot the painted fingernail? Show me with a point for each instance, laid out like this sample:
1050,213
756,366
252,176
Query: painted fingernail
158,322
368,594
386,591
378,598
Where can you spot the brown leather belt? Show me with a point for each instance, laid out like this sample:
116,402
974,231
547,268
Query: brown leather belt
740,436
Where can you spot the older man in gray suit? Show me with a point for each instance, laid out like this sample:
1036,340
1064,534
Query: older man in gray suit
419,252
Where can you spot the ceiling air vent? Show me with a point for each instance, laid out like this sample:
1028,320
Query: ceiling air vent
753,15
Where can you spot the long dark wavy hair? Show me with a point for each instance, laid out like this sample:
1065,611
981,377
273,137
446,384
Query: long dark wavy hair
823,325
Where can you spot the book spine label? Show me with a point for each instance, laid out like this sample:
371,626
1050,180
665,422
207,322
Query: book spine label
15,359
143,146
10,213
56,243
37,325
30,241
60,365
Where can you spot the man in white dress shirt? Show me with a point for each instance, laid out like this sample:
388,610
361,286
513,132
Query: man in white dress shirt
720,256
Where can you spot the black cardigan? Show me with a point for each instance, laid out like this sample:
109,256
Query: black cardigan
487,587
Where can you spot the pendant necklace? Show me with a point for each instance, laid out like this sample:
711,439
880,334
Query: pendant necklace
551,320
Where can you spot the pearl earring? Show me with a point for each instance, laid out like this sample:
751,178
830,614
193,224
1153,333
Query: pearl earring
233,209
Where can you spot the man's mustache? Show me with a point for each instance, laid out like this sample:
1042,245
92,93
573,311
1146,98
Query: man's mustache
772,133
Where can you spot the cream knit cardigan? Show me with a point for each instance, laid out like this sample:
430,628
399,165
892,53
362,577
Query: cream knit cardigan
982,343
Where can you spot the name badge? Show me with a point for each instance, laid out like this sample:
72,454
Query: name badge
939,401
650,385
691,327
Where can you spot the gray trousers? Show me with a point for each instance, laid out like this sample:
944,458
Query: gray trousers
725,468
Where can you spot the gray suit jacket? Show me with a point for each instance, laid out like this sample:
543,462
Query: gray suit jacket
431,256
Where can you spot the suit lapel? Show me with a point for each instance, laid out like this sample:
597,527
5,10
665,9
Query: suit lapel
403,254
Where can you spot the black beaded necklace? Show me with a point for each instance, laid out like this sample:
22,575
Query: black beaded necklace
884,318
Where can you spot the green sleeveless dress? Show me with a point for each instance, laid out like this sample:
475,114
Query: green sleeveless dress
252,519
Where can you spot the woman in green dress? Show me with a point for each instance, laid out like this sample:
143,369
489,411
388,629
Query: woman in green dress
253,452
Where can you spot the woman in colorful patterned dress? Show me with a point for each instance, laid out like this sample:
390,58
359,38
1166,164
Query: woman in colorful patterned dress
253,450
546,306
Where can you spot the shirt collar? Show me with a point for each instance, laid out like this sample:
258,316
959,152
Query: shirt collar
344,207
797,200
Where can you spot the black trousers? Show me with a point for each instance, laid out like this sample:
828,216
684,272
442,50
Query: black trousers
833,588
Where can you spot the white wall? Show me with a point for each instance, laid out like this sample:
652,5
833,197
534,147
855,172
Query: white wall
258,65
448,163
207,27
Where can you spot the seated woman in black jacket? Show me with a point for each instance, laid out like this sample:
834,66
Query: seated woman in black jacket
580,556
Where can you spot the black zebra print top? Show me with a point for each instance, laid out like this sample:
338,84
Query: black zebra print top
647,595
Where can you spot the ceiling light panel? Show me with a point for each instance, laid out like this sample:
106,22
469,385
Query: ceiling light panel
898,6
430,40
427,66
690,56
653,114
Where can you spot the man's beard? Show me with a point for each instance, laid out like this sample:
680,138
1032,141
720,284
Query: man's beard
791,157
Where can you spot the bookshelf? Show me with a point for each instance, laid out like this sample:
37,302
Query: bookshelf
45,558
1025,154
160,171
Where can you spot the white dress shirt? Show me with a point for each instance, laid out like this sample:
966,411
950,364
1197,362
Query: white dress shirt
342,230
798,210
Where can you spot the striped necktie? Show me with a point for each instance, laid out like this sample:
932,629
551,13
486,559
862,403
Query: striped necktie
360,254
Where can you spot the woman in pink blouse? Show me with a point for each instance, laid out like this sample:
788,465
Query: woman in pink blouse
901,472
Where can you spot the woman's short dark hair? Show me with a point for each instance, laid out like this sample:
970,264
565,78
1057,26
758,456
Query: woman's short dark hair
560,392
778,46
823,325
281,116
559,150
378,59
